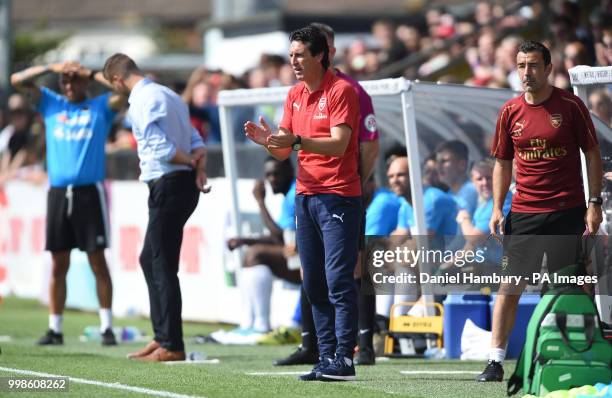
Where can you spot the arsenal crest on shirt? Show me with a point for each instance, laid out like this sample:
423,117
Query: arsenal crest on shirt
322,103
556,120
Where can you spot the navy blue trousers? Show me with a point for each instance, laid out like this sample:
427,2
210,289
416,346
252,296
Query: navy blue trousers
328,228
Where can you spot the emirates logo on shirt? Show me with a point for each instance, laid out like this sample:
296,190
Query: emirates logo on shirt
539,149
322,103
556,120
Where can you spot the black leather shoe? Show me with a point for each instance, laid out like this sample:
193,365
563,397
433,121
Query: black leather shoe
299,357
51,338
493,372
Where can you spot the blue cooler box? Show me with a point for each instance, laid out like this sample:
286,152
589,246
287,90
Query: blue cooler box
458,308
527,304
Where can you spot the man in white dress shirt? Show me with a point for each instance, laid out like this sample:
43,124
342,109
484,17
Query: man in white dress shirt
172,156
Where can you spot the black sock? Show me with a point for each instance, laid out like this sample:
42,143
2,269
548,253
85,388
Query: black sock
309,333
367,316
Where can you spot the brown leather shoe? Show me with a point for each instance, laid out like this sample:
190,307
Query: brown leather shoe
163,355
149,348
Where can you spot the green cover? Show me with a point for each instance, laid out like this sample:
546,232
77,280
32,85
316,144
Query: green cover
564,345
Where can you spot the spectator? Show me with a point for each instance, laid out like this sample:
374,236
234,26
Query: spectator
574,54
475,228
452,161
603,49
271,66
411,37
440,213
203,115
505,56
482,58
391,48
440,208
483,13
431,177
16,135
382,209
601,105
355,58
22,155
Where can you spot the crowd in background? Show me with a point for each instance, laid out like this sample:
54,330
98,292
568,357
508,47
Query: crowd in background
478,50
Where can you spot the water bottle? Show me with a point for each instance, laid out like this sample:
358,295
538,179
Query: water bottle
435,353
196,356
130,333
91,333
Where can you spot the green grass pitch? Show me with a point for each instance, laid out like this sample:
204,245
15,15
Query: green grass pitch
26,320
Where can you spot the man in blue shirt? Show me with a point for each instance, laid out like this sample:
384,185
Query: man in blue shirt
76,131
452,163
173,164
475,229
440,212
265,256
440,208
382,212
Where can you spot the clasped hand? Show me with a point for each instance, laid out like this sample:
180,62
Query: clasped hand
262,134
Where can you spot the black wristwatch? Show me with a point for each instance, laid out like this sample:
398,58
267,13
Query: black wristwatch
297,144
598,200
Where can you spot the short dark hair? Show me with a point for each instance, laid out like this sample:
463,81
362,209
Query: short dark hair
456,147
315,40
531,46
393,152
119,64
327,30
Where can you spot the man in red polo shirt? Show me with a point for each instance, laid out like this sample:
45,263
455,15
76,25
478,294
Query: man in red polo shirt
320,122
307,352
543,130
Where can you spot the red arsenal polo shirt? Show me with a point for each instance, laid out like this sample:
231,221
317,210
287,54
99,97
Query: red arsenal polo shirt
545,140
313,115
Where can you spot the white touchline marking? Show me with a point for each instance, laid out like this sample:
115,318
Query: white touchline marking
116,386
212,361
275,373
439,372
